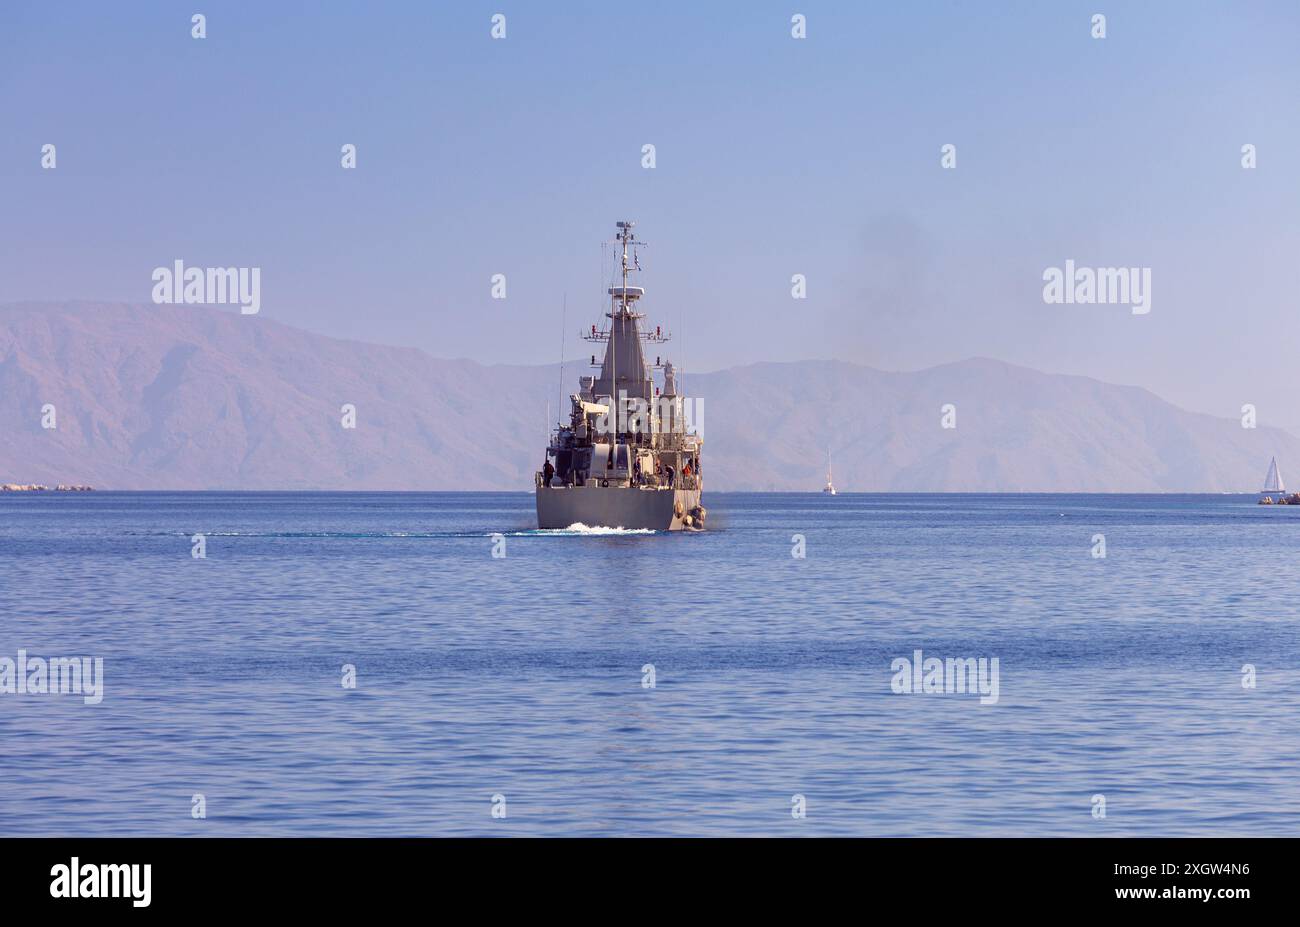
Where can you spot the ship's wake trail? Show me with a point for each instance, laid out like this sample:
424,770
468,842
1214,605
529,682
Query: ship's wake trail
578,529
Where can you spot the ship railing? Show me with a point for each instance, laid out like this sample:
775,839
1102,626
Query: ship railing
679,482
568,481
649,481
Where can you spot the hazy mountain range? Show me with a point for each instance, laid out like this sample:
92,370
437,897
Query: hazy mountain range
167,397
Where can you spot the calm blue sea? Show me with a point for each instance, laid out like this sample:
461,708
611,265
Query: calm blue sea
522,676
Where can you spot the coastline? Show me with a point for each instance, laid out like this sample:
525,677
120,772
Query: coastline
38,487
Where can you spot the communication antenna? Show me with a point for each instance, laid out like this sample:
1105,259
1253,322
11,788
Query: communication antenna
564,317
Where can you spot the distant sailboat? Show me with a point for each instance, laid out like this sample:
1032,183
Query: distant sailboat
1273,485
830,487
1273,482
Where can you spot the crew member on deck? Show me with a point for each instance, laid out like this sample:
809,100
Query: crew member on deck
548,471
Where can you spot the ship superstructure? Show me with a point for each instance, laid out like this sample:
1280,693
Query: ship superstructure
629,456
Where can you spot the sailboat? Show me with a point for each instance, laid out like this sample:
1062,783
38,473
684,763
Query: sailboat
829,488
1273,485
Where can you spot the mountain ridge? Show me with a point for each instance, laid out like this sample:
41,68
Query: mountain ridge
190,397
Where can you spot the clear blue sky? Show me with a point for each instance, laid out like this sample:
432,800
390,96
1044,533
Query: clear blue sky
775,156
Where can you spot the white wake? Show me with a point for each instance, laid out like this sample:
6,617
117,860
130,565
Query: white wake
578,528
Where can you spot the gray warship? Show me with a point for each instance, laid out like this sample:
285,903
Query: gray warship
629,455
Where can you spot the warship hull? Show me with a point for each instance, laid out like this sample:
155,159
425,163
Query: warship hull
615,507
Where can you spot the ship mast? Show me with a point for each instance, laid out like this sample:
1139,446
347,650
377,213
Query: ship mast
624,351
626,237
624,233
